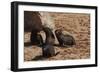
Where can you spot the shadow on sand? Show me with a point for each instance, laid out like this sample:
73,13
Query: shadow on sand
38,58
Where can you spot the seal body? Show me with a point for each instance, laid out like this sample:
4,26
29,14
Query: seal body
64,39
48,48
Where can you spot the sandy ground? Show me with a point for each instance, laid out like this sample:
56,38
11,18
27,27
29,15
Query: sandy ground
78,25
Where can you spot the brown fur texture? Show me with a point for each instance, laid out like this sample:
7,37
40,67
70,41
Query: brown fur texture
32,21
